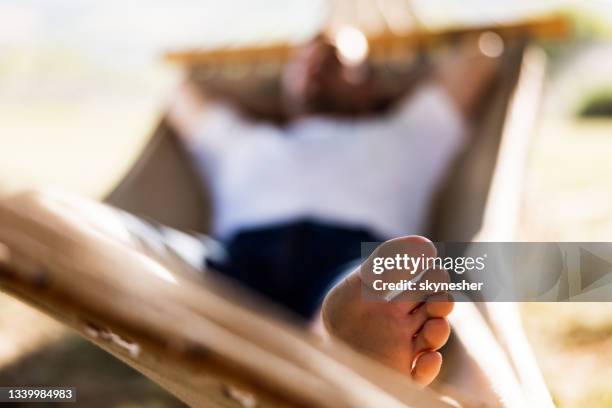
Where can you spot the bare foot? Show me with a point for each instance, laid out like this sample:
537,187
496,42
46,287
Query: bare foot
403,333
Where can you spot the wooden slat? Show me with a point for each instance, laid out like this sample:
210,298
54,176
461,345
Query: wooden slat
198,339
555,27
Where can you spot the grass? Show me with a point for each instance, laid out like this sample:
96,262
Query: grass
597,105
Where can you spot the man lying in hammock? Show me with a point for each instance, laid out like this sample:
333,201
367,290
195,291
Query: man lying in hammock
293,202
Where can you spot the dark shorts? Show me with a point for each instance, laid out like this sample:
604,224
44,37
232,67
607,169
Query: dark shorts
293,264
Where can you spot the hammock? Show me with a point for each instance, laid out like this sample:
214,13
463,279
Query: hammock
199,339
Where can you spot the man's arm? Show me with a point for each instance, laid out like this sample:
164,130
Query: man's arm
185,111
465,75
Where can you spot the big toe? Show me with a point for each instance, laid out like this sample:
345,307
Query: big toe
427,367
433,335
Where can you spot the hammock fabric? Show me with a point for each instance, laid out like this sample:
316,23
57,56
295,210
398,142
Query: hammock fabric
204,342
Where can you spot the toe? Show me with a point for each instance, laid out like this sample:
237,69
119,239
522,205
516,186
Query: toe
436,306
434,335
439,305
427,367
417,318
